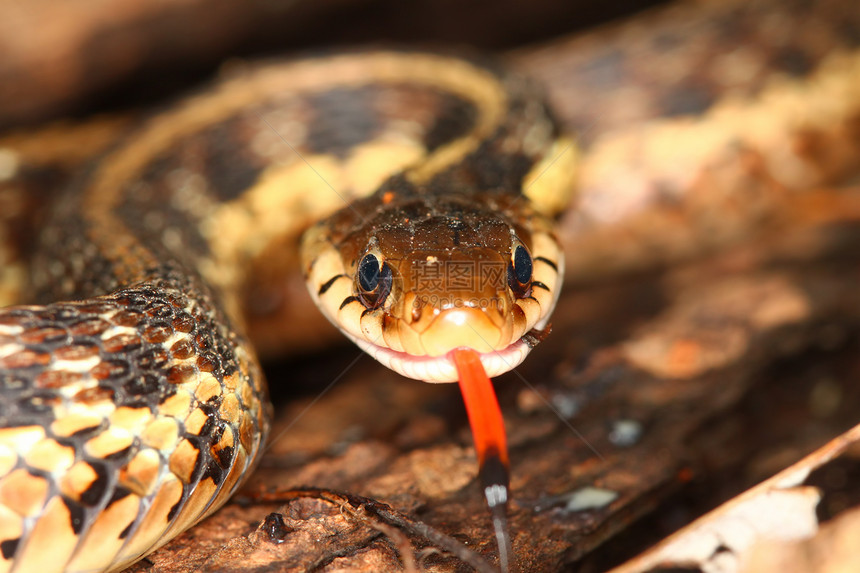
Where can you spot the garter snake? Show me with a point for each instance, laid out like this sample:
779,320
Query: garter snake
134,411
761,105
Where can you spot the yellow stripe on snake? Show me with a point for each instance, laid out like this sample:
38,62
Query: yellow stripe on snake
136,410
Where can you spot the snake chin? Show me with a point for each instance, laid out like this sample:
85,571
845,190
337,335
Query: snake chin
441,368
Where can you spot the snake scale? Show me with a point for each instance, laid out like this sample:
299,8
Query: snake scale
134,411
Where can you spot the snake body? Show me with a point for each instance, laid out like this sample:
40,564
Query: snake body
133,411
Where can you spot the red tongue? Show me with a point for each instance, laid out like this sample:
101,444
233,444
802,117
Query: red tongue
485,417
491,444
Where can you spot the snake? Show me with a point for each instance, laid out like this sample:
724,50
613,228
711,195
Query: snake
134,406
407,187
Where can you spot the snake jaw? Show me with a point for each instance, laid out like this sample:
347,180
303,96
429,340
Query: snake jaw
437,369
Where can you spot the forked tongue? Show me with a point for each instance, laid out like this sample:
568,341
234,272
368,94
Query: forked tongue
488,431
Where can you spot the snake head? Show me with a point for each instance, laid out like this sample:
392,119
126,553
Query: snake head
411,278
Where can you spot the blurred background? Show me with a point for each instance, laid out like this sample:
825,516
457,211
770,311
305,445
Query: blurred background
85,55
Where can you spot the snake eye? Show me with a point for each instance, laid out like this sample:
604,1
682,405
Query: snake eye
520,272
373,281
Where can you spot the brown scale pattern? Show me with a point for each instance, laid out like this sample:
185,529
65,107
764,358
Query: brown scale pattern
165,387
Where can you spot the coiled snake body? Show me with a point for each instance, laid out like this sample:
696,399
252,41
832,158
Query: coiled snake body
133,412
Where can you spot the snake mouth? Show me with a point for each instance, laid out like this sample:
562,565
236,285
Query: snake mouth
442,368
